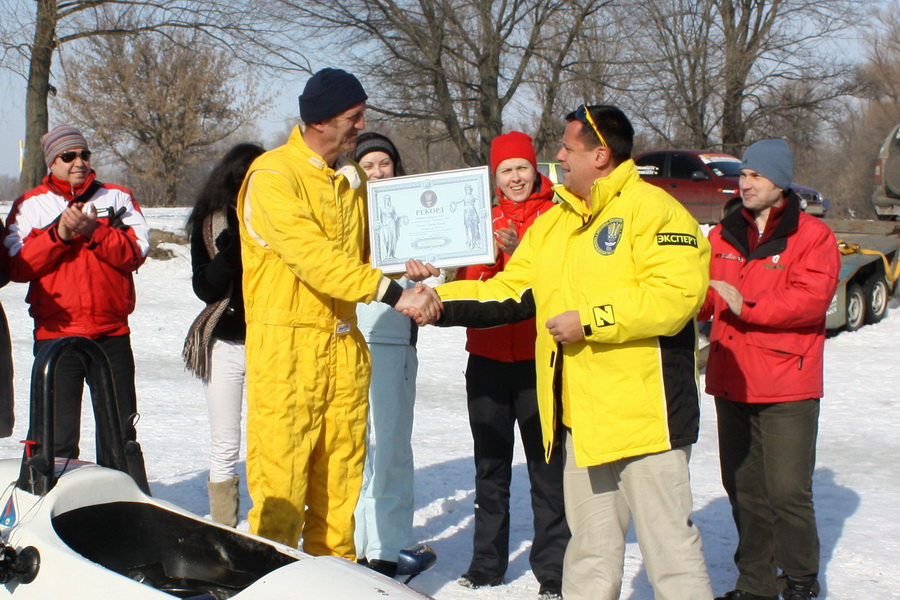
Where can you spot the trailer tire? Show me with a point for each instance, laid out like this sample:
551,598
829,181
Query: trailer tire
856,307
877,293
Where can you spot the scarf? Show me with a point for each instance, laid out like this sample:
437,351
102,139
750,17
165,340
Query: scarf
197,343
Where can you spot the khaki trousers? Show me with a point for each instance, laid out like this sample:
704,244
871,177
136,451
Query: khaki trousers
601,500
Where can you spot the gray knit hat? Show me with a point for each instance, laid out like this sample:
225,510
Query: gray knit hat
771,159
328,93
60,139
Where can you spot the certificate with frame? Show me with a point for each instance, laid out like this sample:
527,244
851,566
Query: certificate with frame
441,218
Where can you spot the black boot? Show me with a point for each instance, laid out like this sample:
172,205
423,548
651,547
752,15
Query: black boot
385,567
800,588
742,595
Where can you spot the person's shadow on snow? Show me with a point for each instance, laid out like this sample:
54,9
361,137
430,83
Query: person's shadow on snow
191,493
449,521
834,505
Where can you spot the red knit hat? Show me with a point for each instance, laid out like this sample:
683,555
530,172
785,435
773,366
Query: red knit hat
514,144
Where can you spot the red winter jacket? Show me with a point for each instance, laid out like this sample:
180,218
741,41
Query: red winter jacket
84,286
514,342
773,351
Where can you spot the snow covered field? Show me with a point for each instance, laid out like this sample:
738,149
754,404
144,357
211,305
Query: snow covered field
857,479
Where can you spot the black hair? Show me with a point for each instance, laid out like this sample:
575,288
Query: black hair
377,140
223,183
613,124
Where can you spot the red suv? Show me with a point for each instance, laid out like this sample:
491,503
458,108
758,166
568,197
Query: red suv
705,182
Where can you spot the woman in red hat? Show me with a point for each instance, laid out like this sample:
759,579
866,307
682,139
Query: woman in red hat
500,386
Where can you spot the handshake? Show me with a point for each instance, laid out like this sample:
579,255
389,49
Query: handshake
421,303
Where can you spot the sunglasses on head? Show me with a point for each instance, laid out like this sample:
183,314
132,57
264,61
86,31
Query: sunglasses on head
69,156
583,114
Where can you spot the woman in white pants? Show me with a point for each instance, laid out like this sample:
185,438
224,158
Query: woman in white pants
214,348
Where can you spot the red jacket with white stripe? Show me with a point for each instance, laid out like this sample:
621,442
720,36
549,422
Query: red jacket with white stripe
773,351
514,342
84,286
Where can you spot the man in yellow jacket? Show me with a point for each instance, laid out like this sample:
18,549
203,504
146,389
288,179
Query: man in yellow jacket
615,274
304,247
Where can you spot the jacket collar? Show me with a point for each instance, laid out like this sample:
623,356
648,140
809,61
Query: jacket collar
735,225
64,189
532,205
603,191
342,166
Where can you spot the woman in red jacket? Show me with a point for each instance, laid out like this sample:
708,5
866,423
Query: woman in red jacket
500,386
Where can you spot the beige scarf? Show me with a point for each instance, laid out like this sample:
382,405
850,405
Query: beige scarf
197,342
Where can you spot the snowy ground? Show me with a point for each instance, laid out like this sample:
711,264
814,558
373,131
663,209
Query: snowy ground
856,481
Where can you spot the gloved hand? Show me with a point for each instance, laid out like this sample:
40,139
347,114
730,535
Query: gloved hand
228,244
115,220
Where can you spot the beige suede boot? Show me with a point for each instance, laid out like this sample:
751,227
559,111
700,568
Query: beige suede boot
224,502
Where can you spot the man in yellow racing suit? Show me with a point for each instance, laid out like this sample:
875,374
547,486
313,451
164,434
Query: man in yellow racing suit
303,247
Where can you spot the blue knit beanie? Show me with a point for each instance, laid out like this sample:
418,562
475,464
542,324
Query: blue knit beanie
328,93
771,159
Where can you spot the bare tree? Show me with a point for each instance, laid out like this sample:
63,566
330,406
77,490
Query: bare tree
880,76
453,66
675,57
716,70
9,188
157,103
33,32
849,151
769,42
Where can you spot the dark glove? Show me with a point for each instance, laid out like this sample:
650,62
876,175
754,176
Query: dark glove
116,219
229,245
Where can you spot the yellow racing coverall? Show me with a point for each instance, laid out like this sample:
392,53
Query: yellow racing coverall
303,246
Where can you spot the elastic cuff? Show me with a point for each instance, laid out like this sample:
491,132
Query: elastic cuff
54,234
389,291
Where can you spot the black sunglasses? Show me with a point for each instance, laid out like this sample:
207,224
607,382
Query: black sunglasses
69,156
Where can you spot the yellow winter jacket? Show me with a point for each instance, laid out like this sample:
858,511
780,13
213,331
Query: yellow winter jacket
635,266
304,239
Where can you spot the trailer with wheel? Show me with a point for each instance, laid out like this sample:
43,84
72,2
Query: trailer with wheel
870,266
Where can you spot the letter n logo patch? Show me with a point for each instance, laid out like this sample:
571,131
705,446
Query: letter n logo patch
603,316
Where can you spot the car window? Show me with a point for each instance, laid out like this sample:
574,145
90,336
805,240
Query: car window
651,165
681,166
726,168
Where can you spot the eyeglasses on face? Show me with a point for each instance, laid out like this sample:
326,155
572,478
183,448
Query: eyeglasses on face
69,156
583,114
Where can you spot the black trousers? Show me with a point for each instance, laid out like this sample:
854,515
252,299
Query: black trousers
70,376
499,395
767,454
